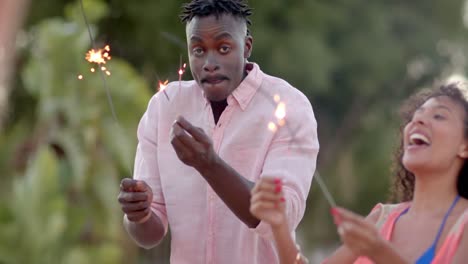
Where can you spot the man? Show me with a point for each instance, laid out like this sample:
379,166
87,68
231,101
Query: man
202,148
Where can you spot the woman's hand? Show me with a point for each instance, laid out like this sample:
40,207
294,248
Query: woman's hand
267,201
358,234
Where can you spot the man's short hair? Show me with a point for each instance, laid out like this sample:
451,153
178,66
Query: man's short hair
203,8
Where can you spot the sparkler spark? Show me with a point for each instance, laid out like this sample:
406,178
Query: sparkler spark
276,98
280,112
80,77
98,56
272,126
182,70
162,87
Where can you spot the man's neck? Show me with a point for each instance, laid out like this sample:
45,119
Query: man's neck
218,108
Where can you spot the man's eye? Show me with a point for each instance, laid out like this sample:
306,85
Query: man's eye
197,51
224,49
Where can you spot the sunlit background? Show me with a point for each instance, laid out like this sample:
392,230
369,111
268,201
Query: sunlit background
64,147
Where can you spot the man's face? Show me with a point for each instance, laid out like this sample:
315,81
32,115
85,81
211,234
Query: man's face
217,49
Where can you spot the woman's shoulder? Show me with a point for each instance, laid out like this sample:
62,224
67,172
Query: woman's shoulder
385,208
382,212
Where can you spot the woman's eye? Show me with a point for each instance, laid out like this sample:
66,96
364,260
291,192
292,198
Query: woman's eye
439,117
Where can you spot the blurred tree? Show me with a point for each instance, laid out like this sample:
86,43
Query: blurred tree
356,60
69,155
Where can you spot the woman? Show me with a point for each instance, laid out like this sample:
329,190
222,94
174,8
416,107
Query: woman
428,226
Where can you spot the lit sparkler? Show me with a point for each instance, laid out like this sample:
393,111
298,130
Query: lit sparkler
162,87
276,98
98,56
280,112
272,126
181,71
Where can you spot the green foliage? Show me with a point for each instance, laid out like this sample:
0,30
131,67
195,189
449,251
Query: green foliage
62,207
356,60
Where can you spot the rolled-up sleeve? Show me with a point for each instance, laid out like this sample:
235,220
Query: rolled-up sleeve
146,159
292,157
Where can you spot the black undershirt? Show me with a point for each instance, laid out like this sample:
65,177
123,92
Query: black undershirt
218,108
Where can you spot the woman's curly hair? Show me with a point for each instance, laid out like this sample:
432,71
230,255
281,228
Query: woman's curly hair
403,180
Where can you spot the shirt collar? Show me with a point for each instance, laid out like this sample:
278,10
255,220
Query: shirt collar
246,90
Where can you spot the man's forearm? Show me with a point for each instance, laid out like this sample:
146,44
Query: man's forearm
232,188
148,234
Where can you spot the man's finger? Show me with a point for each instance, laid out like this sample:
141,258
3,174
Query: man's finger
136,206
130,197
182,151
178,133
197,133
128,184
131,185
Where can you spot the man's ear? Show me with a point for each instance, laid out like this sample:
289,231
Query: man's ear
248,46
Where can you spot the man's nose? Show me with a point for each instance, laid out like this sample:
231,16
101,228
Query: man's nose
211,63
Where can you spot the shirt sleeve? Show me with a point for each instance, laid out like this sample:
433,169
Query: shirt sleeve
146,159
292,157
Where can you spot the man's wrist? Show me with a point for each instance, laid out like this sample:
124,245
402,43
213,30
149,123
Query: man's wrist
209,166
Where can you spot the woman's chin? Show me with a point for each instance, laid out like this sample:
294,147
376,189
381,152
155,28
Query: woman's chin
415,165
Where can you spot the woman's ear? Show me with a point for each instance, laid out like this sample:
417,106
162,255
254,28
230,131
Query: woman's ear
463,153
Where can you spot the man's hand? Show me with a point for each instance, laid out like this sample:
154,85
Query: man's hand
267,201
135,198
192,145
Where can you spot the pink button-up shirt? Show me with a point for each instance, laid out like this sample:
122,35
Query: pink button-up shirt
203,228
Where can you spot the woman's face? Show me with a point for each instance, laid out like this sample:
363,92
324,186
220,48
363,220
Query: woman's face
434,138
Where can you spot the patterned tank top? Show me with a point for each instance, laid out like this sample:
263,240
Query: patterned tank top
389,215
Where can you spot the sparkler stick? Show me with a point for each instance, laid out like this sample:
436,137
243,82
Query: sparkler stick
162,87
325,191
93,53
181,70
280,114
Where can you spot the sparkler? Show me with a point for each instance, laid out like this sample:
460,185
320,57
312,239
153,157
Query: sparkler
181,70
98,56
325,190
162,87
280,114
